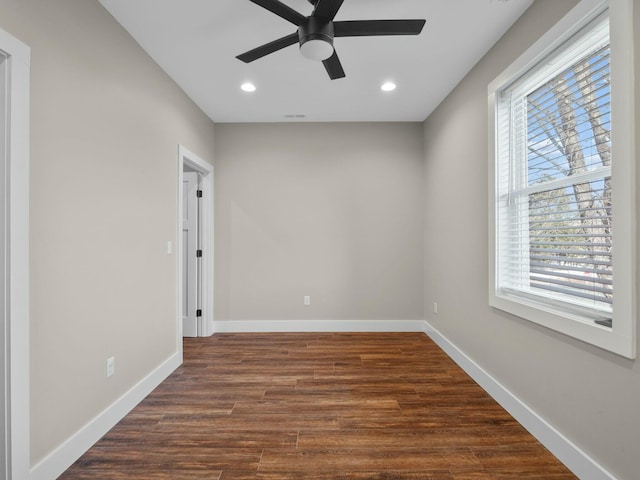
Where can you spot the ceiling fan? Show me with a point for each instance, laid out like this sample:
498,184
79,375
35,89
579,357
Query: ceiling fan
316,32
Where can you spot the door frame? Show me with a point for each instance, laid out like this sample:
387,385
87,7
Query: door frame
205,169
14,159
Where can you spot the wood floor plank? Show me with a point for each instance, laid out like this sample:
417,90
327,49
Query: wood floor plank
396,438
372,459
331,475
317,406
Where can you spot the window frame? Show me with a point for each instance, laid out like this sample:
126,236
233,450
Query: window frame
621,337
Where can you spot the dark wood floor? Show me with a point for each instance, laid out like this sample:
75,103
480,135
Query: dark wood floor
360,406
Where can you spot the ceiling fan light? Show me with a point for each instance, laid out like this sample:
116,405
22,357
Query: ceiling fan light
248,87
388,87
316,49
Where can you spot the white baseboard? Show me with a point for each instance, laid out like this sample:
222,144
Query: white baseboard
273,326
66,454
576,460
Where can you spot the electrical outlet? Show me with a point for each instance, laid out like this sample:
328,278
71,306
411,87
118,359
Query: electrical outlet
307,300
435,307
111,366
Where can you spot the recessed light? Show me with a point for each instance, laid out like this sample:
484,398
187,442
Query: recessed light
248,87
388,87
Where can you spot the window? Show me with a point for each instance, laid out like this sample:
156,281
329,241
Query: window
563,185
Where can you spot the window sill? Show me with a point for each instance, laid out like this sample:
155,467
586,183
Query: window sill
574,325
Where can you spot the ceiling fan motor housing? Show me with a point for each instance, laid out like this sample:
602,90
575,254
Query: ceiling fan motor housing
316,38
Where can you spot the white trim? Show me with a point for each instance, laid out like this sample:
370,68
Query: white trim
279,326
575,459
623,147
66,454
4,261
568,26
190,159
19,60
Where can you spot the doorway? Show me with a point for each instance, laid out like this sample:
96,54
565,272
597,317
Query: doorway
195,245
191,253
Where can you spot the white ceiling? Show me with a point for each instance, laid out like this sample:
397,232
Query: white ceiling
196,42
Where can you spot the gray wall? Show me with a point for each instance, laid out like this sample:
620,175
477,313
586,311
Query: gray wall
105,127
588,394
333,211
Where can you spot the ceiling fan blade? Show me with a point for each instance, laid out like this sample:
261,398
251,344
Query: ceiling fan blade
370,28
327,8
268,48
334,67
282,10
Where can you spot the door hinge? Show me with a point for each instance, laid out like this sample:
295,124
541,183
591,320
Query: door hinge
198,253
199,193
198,313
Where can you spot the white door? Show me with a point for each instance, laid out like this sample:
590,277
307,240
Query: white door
189,252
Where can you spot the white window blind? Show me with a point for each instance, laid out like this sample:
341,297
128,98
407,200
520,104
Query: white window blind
554,212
